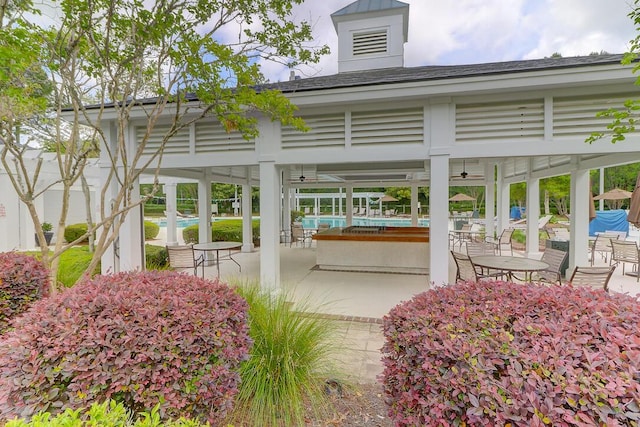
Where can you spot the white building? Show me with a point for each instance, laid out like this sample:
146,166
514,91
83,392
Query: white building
377,123
16,225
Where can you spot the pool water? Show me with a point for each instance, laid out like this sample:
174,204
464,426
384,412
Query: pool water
312,222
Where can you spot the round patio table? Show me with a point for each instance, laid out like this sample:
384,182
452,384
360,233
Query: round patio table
217,247
511,264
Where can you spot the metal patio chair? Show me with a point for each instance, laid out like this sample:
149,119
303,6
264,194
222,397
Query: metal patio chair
625,252
592,276
182,257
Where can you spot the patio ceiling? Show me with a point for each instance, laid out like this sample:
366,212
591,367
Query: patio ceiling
395,174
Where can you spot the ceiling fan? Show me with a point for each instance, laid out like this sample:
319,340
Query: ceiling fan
464,174
302,177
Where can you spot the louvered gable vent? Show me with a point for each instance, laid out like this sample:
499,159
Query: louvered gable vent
369,43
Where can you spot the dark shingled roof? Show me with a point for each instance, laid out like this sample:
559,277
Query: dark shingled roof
362,6
437,72
426,73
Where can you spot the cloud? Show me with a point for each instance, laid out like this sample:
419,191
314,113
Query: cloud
475,31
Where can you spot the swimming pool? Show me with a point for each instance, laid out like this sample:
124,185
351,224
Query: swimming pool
180,222
312,222
336,221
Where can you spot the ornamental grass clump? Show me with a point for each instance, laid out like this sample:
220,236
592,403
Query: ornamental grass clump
498,353
23,280
290,361
142,339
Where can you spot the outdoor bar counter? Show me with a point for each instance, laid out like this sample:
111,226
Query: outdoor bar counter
374,248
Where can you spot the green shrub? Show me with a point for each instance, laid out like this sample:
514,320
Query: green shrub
226,230
190,234
289,363
297,215
108,414
143,339
157,257
497,354
23,280
151,230
75,231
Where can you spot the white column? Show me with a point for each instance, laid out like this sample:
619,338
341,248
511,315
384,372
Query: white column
287,195
109,262
533,213
439,220
349,205
131,240
414,205
490,198
170,192
269,225
503,202
204,208
247,229
579,228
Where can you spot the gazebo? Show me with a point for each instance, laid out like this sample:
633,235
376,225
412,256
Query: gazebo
379,124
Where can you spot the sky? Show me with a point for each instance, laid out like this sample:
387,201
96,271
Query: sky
478,31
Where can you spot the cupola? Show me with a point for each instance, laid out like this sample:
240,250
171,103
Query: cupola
371,34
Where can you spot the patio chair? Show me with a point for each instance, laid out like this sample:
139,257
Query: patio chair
555,258
299,235
602,245
466,271
592,276
480,249
625,252
460,238
323,226
504,241
182,257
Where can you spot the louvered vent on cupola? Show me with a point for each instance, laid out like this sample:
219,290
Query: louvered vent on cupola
370,42
371,34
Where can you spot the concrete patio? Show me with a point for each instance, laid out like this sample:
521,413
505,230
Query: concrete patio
357,300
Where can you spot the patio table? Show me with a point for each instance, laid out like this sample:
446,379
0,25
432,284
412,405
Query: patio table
511,264
217,247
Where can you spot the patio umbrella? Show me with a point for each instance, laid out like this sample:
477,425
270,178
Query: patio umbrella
615,194
634,208
461,197
387,198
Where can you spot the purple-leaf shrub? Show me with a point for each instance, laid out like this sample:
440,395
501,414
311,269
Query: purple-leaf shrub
498,353
23,280
142,339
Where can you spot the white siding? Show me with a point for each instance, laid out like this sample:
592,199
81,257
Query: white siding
576,116
387,127
325,130
499,121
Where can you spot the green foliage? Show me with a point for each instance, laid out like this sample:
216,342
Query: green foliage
226,230
142,339
289,362
151,230
190,234
23,280
73,263
107,414
296,215
498,353
75,231
157,257
46,226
